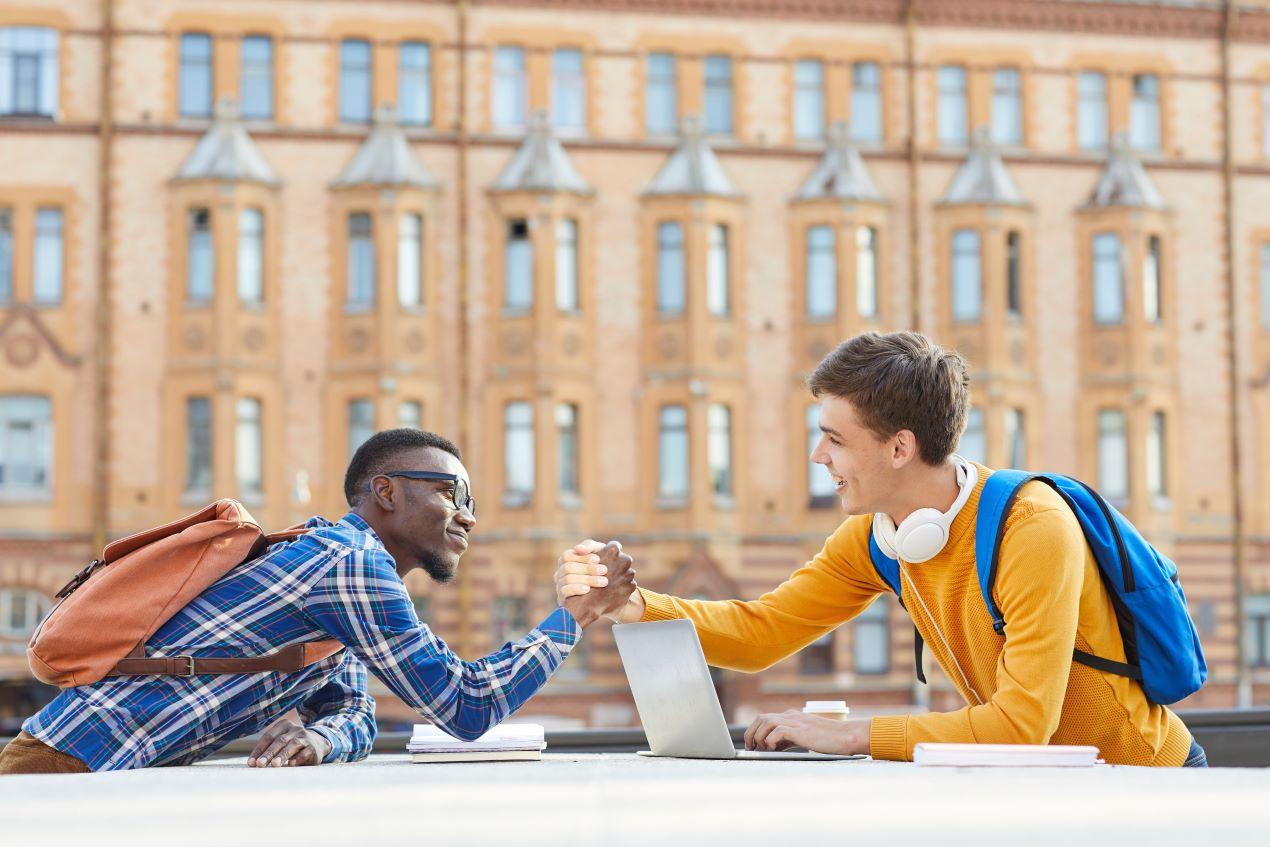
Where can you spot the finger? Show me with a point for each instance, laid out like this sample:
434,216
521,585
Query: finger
582,563
770,722
584,579
566,591
571,556
266,738
750,730
276,747
292,751
778,738
588,546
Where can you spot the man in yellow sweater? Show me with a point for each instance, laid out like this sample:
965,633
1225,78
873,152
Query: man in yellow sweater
893,408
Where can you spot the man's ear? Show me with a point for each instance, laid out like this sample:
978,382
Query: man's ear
384,492
903,448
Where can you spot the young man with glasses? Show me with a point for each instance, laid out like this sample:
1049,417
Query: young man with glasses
893,408
411,508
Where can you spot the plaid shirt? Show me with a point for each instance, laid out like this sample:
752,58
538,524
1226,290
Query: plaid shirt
336,581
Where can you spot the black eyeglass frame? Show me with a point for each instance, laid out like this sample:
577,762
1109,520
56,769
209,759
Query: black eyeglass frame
460,493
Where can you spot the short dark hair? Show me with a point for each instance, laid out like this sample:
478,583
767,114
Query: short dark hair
901,380
379,452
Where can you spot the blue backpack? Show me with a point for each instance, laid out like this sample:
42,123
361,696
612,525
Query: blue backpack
1160,642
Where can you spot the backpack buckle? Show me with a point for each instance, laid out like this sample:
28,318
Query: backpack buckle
78,579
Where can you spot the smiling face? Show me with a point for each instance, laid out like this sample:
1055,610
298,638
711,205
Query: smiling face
862,463
424,528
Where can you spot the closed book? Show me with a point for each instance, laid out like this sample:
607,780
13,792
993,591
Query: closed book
523,737
478,756
1005,755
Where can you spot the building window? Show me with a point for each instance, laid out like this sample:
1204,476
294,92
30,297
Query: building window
1152,291
967,286
511,88
518,272
198,445
568,91
355,81
670,268
1013,275
251,256
719,449
1257,630
1265,287
1265,120
661,95
249,448
509,619
820,485
1015,439
6,256
28,71
1091,110
1113,455
672,454
410,261
718,275
21,611
518,453
1144,113
866,272
200,274
567,265
361,423
361,262
809,99
414,83
866,102
48,256
974,441
816,659
1157,464
567,449
26,447
195,94
871,639
410,414
1108,279
822,273
256,82
718,95
1007,106
952,111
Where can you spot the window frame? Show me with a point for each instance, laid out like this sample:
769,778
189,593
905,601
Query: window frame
262,72
189,102
355,81
39,454
417,76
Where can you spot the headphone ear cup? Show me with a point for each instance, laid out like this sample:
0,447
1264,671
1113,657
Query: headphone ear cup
884,534
921,535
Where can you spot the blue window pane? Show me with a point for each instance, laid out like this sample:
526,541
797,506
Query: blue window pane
414,83
866,102
511,88
361,262
822,273
952,114
670,269
196,75
256,83
518,282
355,81
1091,118
967,293
28,71
568,91
718,95
661,97
1108,279
809,99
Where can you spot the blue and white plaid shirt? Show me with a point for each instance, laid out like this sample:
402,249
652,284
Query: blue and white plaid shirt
336,581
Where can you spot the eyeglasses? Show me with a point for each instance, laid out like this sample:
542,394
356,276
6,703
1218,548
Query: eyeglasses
460,494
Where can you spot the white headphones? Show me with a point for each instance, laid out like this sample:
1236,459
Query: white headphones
924,533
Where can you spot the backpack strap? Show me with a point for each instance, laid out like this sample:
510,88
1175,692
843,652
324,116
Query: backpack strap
289,659
994,504
889,570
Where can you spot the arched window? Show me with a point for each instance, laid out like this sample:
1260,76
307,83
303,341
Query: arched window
21,610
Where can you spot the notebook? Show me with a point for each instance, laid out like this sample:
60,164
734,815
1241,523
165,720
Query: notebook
1005,755
509,742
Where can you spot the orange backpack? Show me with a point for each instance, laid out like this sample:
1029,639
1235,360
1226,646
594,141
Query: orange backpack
108,610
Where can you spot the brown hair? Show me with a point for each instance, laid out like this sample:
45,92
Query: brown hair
900,380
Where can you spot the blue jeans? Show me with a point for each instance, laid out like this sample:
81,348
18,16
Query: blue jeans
1196,758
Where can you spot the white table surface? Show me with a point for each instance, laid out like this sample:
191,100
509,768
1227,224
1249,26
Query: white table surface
621,799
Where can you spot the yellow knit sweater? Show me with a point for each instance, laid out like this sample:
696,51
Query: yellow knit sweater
1022,688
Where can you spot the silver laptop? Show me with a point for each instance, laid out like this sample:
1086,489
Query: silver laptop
675,697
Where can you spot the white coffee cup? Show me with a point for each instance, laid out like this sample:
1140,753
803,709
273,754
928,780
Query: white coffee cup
833,709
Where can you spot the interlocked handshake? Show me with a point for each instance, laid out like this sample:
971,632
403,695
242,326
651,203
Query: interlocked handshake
596,580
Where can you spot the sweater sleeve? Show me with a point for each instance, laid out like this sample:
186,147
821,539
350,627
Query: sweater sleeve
834,587
1041,570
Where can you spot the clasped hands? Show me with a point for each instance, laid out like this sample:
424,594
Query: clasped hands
585,569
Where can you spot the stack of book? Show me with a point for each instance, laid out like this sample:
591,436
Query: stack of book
513,742
1005,755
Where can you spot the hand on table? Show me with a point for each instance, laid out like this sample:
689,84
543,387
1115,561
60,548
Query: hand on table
287,744
796,729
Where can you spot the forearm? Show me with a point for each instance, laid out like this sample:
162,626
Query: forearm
349,735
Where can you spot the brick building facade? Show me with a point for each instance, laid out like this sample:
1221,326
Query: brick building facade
601,245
